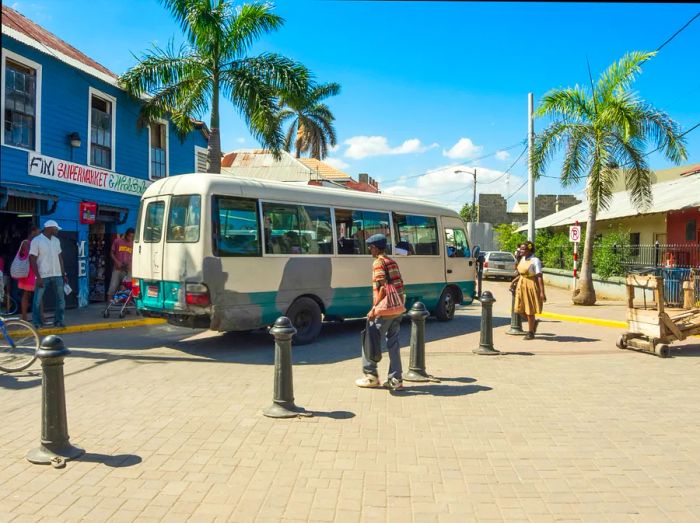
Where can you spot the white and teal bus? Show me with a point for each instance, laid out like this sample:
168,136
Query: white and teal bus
231,254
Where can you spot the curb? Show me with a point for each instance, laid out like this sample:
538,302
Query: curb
581,319
90,327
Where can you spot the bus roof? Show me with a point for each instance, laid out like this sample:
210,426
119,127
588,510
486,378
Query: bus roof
205,183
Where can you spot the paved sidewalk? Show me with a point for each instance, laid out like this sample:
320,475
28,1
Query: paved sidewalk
562,428
90,318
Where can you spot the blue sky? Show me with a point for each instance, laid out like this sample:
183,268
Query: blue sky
429,87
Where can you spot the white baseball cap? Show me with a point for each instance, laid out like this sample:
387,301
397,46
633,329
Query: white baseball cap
51,223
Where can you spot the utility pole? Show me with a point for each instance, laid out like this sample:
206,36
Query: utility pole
475,215
530,174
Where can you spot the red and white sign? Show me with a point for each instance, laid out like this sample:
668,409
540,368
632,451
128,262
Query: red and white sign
88,212
86,176
575,233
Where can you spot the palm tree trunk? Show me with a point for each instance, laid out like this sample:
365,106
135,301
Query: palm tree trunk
585,294
299,140
214,135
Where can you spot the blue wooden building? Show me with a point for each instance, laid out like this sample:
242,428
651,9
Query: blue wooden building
72,152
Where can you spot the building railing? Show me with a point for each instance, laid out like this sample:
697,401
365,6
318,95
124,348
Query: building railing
677,263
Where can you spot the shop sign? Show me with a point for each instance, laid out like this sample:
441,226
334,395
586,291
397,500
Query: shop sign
88,212
86,176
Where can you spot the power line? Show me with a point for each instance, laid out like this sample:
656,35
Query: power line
508,169
401,178
677,32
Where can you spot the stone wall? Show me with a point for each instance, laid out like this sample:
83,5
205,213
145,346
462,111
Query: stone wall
493,208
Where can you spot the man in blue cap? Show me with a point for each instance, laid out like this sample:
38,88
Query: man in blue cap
384,271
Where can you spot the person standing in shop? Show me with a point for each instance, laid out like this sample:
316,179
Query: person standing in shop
46,260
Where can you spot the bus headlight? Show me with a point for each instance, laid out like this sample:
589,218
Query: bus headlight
197,294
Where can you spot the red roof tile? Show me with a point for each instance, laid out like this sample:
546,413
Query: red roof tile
24,25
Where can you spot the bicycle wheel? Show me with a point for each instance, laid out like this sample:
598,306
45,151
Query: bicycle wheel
19,342
6,309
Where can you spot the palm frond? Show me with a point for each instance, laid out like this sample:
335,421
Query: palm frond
249,23
575,156
202,21
571,104
256,101
161,67
634,168
658,127
620,75
323,91
276,71
548,142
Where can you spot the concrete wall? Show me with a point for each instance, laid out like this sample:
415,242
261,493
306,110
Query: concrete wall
610,289
493,208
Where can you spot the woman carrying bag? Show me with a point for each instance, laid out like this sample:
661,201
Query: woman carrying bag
23,273
388,301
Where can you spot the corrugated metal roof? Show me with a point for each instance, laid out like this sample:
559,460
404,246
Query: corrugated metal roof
22,24
681,193
324,170
258,163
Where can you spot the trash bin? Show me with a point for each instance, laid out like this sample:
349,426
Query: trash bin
673,285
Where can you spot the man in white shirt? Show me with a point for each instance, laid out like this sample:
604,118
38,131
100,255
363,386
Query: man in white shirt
46,260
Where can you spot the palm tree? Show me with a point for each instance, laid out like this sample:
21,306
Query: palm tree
187,82
311,127
604,133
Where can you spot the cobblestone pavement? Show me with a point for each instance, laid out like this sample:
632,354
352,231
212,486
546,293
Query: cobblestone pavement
562,428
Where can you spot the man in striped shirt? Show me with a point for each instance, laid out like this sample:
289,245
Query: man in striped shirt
384,270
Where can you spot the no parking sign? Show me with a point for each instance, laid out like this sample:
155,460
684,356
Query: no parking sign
575,233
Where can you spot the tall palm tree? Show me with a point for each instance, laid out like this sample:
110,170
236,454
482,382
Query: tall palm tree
604,132
311,129
187,82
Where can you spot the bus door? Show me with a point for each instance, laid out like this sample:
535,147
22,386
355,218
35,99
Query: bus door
150,251
459,264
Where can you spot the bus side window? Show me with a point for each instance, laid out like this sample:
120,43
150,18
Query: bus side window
236,228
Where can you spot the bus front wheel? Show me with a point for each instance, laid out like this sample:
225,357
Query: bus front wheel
446,307
305,315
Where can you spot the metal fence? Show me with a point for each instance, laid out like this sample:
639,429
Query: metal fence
676,263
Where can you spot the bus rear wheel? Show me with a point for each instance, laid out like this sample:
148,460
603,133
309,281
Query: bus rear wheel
305,315
446,306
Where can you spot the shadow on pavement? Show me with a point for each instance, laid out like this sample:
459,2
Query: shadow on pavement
20,380
562,339
335,414
118,461
439,390
337,342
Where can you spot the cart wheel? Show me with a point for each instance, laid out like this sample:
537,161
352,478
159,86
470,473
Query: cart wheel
105,314
663,350
622,342
121,314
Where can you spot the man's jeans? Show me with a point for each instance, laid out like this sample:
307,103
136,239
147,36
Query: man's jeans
57,283
389,329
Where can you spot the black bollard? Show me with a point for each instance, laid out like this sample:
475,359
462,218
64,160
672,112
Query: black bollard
283,400
516,322
416,367
55,447
486,342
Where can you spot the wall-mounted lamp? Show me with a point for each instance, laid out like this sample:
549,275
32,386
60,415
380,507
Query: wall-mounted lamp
74,139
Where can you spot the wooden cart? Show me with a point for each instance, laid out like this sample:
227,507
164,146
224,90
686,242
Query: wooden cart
650,326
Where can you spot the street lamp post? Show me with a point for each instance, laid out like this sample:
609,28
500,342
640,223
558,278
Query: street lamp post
474,214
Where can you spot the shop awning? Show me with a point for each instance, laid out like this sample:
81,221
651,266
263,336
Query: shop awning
26,190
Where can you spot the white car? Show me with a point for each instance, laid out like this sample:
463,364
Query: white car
499,264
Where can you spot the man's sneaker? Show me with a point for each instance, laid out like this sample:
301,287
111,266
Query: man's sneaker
368,382
393,384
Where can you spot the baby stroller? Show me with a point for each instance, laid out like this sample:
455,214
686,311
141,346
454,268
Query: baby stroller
123,300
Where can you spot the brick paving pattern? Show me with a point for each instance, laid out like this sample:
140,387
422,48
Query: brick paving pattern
563,428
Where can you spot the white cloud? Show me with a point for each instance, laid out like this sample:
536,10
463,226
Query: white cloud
337,163
503,155
453,189
240,140
464,149
363,146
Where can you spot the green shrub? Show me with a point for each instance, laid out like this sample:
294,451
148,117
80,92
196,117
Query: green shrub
507,237
609,253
